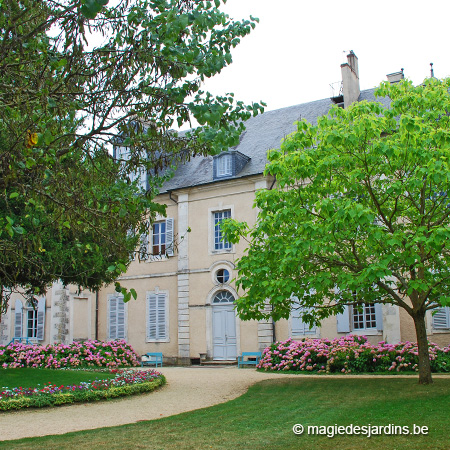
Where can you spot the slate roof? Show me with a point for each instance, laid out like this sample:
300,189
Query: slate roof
262,133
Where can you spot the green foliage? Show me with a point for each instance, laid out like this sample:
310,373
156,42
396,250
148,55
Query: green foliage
79,78
360,213
362,198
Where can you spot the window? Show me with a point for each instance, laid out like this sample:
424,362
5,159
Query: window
157,315
441,319
223,297
162,238
222,276
29,321
32,322
224,165
219,242
159,238
368,318
116,317
364,317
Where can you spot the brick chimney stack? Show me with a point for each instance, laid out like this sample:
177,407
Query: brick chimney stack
350,79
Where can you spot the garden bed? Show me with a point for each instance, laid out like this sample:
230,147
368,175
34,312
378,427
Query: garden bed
125,382
89,354
349,354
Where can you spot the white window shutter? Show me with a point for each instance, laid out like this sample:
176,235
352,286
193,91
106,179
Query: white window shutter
156,317
343,320
18,319
441,319
161,316
40,319
121,325
112,318
298,327
169,237
151,317
379,316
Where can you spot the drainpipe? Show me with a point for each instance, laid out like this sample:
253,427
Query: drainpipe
170,196
96,315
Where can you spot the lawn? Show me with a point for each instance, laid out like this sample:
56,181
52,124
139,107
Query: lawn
28,377
263,419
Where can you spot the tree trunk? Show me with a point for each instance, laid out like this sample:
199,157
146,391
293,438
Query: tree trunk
424,355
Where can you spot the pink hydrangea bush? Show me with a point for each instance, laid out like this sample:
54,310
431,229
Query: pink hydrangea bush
88,354
349,354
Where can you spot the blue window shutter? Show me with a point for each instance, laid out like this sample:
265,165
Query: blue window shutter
343,320
18,320
169,237
40,319
379,316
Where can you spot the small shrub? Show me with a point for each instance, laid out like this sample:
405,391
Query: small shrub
349,354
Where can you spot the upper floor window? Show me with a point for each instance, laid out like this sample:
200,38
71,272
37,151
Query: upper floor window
221,243
224,166
222,276
159,238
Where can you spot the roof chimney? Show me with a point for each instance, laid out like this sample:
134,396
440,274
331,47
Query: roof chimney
350,79
395,77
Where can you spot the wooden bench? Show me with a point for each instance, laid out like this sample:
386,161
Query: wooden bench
249,359
152,358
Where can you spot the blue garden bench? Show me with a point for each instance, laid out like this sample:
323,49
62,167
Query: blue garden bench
249,359
153,358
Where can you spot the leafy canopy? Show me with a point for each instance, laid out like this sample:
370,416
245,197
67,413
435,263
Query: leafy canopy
360,213
79,77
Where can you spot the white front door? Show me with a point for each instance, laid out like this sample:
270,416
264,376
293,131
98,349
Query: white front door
224,332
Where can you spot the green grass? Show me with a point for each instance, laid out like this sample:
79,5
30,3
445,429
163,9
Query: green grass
263,419
27,377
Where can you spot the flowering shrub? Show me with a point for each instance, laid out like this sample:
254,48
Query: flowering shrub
349,354
89,354
126,382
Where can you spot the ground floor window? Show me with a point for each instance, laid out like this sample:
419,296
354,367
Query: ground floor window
364,317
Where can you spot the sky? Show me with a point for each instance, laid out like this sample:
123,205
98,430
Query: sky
296,50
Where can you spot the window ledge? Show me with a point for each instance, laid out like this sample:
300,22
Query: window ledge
367,332
156,258
155,341
441,331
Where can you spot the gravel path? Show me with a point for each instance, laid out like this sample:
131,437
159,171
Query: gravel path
187,388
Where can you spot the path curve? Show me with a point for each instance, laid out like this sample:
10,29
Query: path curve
187,388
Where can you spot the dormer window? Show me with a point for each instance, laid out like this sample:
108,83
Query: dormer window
228,164
224,165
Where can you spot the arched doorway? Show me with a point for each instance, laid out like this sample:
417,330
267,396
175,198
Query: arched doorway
224,327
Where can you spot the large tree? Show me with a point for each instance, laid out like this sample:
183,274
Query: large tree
360,213
76,78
